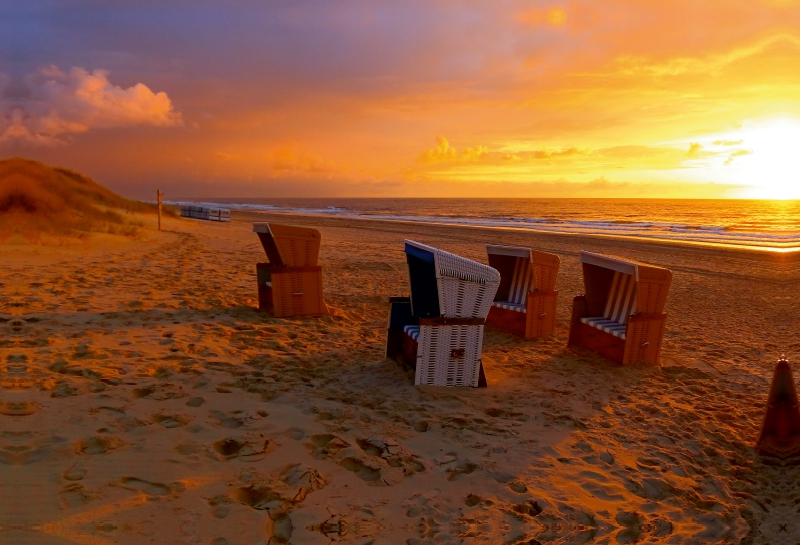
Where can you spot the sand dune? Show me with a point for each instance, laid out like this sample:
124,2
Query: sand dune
39,203
144,399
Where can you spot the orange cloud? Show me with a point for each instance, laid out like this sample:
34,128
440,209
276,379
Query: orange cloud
554,17
735,154
62,103
694,149
444,152
287,160
727,142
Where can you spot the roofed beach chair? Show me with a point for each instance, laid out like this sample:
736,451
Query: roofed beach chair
205,213
291,283
526,299
621,316
439,329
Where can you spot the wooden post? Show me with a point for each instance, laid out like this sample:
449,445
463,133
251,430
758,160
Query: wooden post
158,192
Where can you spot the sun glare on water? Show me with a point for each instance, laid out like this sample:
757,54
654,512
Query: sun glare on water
765,158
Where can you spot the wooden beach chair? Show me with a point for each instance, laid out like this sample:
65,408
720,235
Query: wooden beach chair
526,299
439,329
621,316
291,283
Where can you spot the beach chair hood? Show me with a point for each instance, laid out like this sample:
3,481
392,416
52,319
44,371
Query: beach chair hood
447,285
650,283
287,245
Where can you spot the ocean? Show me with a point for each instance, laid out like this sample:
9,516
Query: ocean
773,225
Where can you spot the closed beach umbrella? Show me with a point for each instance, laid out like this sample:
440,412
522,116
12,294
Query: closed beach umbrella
780,431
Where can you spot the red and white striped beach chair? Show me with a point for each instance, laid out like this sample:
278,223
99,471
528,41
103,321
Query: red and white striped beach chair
526,299
439,329
621,316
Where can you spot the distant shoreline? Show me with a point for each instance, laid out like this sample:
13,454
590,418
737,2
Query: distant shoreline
758,230
411,229
248,215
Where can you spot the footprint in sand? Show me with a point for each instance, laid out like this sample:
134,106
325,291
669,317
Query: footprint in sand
75,495
62,389
362,471
325,445
421,427
170,421
530,508
158,393
74,474
145,487
230,422
305,478
461,468
390,451
247,448
278,527
295,433
98,445
21,408
256,497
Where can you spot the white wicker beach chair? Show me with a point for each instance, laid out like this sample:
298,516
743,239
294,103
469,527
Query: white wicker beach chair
440,327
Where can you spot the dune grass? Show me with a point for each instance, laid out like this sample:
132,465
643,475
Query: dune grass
41,202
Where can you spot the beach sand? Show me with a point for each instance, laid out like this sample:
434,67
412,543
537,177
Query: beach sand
146,400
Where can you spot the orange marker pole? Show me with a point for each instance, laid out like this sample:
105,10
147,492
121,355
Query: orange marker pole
158,192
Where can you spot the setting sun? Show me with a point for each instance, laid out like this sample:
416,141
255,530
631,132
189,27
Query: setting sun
763,157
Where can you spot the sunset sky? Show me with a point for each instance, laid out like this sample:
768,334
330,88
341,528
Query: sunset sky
636,98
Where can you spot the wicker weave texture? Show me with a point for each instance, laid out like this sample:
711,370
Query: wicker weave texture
449,355
461,299
466,288
449,264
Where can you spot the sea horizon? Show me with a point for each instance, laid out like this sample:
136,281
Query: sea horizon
754,224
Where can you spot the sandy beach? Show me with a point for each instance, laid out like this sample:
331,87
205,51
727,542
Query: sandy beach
146,400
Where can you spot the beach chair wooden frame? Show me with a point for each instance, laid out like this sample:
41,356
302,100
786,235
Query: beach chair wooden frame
526,299
621,315
291,283
439,329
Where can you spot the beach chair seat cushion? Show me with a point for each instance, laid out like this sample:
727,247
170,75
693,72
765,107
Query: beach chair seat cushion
517,307
412,331
621,313
609,326
519,283
621,303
